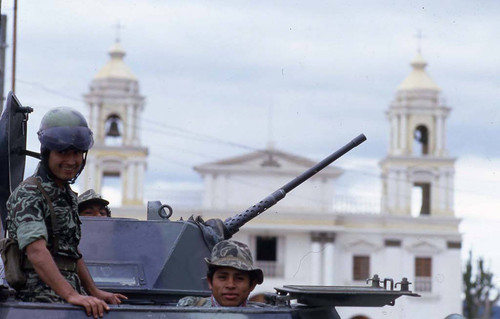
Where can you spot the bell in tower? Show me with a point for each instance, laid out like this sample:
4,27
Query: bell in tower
421,136
113,130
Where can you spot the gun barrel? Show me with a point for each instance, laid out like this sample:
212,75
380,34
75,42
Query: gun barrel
233,224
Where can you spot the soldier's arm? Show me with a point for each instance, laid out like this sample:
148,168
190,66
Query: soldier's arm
46,268
90,287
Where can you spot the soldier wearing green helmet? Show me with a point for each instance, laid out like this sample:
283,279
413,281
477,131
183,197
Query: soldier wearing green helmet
63,128
43,218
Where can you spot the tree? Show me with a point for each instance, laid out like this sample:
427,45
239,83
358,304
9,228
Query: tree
480,292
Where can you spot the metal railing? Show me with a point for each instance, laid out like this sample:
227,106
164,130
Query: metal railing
271,269
423,284
341,204
348,204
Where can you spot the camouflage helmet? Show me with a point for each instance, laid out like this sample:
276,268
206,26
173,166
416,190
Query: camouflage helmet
90,196
230,253
64,127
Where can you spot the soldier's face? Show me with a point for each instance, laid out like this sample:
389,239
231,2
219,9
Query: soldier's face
65,164
94,210
230,286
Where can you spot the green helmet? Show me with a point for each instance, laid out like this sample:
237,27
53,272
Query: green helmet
64,127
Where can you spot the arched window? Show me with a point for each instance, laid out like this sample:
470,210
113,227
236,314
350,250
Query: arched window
421,137
360,317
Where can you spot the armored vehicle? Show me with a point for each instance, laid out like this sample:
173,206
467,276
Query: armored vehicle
156,262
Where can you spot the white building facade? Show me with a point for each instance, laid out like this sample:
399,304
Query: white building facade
303,241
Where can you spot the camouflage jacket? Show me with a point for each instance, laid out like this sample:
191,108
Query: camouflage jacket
191,301
29,220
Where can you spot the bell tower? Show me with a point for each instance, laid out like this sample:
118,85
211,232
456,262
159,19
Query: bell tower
115,107
418,173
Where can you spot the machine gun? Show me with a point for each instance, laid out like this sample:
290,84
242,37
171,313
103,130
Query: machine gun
214,230
233,224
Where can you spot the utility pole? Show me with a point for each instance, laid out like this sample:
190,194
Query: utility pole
3,46
14,37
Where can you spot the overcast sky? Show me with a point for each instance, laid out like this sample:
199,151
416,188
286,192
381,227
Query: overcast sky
222,78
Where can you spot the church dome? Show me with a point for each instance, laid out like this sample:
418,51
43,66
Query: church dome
116,68
418,78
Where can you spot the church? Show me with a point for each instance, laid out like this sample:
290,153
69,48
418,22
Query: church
306,239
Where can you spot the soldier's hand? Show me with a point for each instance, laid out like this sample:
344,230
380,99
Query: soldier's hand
93,306
109,297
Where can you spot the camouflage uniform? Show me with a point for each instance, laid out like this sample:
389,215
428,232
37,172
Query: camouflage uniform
191,301
227,253
29,220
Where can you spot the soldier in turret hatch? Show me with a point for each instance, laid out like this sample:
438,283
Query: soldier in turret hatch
43,218
91,203
231,276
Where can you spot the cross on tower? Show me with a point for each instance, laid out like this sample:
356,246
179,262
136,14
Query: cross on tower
419,37
118,26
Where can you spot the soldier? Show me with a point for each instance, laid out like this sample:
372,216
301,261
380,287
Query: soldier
91,203
231,276
43,218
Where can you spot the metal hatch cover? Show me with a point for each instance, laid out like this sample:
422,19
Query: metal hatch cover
346,296
12,148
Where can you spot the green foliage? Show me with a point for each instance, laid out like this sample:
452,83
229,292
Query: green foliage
478,287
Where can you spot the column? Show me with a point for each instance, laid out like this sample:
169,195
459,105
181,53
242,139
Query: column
399,197
138,127
403,134
94,112
449,186
437,194
140,180
316,259
129,139
439,135
394,134
405,194
133,125
97,175
128,182
443,135
391,191
328,260
384,206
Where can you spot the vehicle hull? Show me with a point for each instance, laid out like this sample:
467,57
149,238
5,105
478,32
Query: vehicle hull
22,310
